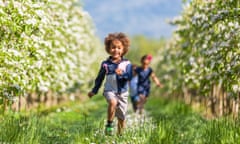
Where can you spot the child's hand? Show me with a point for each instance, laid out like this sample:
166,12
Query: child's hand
160,85
118,71
90,94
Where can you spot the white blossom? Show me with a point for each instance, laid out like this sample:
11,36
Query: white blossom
41,53
14,52
43,88
40,13
34,55
32,21
236,88
39,64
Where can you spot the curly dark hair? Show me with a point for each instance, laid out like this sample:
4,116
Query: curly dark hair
117,36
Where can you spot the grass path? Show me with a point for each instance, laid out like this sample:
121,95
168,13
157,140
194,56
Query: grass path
166,122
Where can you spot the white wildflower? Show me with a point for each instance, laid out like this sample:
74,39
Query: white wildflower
87,139
58,110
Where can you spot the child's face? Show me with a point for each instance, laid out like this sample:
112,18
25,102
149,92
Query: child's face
145,63
116,49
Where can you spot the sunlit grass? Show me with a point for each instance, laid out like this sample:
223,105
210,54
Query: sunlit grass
166,122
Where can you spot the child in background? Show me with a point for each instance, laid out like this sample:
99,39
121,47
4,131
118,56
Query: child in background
133,90
118,72
144,73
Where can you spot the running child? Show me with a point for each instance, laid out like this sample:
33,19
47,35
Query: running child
118,72
144,73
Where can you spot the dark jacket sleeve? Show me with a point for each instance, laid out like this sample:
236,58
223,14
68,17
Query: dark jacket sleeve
127,75
150,71
99,79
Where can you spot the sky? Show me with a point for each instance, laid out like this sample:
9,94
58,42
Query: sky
133,17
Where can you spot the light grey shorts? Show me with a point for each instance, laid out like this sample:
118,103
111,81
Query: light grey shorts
122,102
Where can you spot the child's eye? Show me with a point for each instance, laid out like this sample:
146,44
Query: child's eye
116,47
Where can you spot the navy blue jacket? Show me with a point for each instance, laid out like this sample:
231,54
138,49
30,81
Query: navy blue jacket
144,77
115,83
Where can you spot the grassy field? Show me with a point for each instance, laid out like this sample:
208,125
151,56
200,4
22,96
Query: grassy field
166,122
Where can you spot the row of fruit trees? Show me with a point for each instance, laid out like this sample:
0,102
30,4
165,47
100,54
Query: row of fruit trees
202,60
45,46
51,46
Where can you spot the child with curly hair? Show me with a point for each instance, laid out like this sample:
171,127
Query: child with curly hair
118,72
144,72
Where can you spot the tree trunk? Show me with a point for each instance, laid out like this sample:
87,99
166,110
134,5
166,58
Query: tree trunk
236,108
225,104
228,107
213,102
187,96
19,103
220,93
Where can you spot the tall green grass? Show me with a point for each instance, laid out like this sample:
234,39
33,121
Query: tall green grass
20,129
167,122
186,126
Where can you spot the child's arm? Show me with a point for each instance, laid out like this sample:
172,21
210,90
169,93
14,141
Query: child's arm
134,73
98,81
156,80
